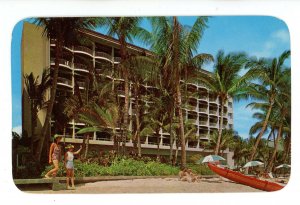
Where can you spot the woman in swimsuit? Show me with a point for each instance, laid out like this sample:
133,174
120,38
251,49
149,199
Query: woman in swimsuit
69,157
54,156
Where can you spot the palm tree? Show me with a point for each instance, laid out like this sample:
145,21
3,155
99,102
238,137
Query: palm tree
282,107
142,70
225,82
65,32
227,140
176,46
36,92
99,119
270,73
241,151
124,28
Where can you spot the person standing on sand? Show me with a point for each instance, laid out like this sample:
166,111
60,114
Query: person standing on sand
69,164
54,156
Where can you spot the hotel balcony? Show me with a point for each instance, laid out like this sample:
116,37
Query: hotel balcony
203,136
203,110
81,67
202,97
213,112
81,85
64,82
213,100
104,56
62,63
214,124
203,122
117,60
83,50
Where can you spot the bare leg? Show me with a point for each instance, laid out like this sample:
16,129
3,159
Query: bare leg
53,171
68,179
72,179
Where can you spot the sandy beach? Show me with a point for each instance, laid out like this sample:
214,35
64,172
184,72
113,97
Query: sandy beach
155,185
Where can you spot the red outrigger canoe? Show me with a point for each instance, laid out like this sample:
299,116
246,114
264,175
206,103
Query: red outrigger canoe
246,180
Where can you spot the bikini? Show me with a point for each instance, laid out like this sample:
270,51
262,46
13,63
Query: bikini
56,153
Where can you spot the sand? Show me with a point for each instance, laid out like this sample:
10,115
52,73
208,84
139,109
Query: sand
151,185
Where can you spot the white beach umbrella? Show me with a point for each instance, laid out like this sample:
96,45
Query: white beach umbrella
253,164
283,166
212,158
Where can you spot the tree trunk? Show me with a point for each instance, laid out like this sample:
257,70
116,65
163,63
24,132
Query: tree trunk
217,149
115,142
176,154
123,54
58,51
176,68
261,133
137,115
87,146
181,127
33,122
171,138
158,142
271,162
287,149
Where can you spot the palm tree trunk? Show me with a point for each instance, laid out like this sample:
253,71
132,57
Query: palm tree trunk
158,142
126,82
171,137
137,115
181,127
271,162
115,143
33,121
217,149
176,154
178,91
287,149
58,51
261,133
87,137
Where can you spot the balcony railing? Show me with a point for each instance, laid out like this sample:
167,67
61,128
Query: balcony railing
201,122
191,107
121,92
64,81
117,60
81,84
81,67
61,62
83,49
213,112
202,97
213,124
53,41
204,110
203,135
215,100
103,55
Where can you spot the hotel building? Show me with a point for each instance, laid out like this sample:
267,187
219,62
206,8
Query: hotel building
101,53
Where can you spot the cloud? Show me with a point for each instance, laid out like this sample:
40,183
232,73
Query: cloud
17,129
281,35
277,40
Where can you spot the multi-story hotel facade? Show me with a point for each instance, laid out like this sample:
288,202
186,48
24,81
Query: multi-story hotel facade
103,52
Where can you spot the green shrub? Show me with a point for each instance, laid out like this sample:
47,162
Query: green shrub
200,169
119,167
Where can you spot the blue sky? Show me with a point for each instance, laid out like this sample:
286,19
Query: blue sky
260,36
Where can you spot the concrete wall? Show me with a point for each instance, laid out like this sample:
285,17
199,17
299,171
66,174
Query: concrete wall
35,57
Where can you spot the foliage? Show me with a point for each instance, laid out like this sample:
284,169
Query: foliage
119,167
200,169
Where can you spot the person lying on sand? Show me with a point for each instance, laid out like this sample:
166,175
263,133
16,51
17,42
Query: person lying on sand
188,175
